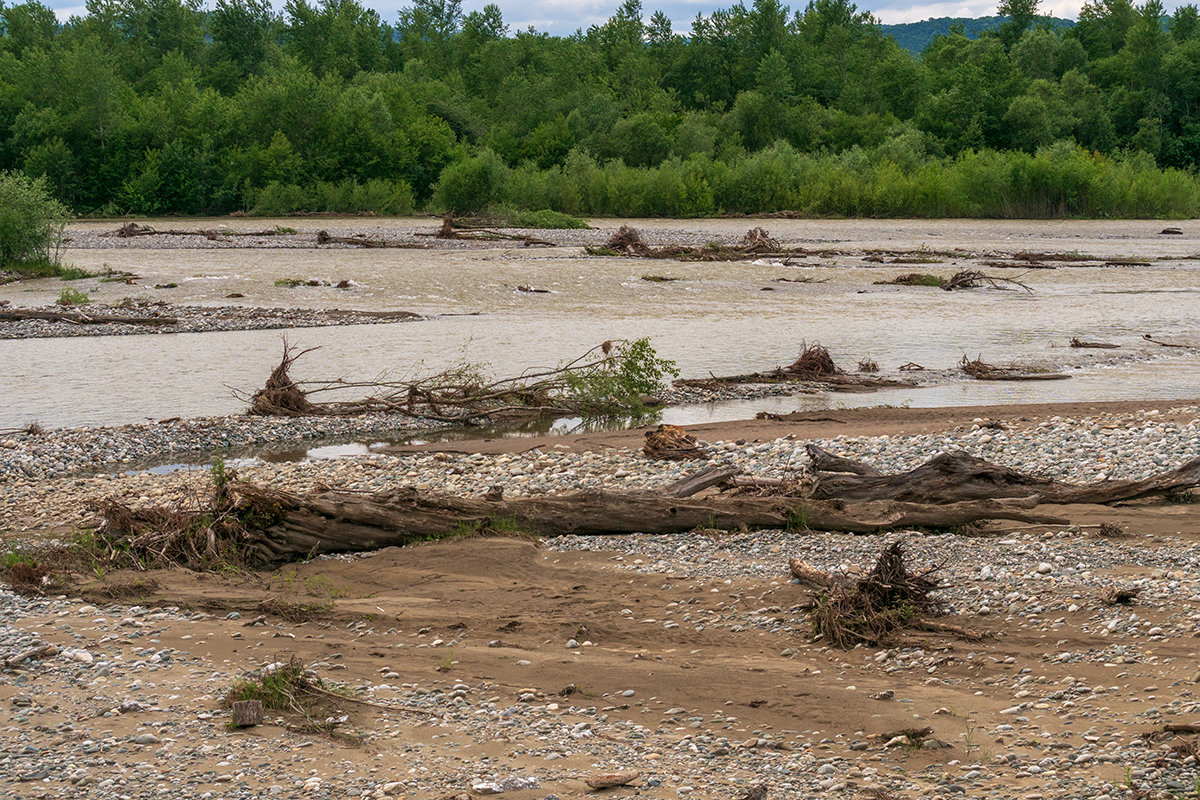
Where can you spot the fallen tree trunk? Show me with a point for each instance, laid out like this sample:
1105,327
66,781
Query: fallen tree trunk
323,237
301,526
78,318
958,477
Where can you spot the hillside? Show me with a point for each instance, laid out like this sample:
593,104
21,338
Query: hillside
915,36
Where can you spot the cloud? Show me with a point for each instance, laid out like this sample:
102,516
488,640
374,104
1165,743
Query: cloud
562,17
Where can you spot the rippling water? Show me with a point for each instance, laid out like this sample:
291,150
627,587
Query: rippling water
717,318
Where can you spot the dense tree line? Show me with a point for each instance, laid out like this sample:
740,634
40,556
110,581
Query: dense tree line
164,106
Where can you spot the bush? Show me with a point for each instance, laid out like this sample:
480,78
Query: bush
31,222
472,184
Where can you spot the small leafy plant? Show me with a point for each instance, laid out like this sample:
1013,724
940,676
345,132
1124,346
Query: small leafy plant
72,297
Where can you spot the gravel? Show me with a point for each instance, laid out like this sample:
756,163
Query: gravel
118,713
191,319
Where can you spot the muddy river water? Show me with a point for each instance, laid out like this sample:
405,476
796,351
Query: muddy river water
717,317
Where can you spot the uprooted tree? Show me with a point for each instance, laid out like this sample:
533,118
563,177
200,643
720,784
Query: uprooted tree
618,377
266,526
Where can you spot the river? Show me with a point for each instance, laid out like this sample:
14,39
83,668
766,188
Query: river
718,317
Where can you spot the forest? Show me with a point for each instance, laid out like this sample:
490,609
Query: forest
153,107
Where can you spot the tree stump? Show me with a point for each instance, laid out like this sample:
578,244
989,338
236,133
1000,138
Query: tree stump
247,713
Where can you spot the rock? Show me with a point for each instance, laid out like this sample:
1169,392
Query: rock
146,738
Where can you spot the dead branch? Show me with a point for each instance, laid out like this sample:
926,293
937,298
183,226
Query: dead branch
1075,342
1148,338
973,279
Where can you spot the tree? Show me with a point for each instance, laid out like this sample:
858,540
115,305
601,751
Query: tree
1021,14
1185,23
30,221
28,25
242,31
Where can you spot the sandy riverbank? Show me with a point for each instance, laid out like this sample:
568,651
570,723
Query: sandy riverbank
693,663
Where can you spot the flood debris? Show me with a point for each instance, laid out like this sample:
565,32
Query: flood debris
614,378
627,242
133,229
973,279
871,610
324,238
452,229
813,365
1149,338
672,443
980,370
1076,342
963,279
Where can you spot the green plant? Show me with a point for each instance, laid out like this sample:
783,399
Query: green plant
220,477
31,222
74,274
447,663
547,220
797,519
71,297
629,372
16,556
321,585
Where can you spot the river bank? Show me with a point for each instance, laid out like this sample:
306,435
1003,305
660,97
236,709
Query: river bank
527,668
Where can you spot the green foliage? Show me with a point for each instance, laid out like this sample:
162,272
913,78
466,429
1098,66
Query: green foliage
547,219
167,107
14,556
631,370
72,297
31,222
471,184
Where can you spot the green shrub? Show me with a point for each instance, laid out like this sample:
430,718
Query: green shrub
31,222
472,184
71,297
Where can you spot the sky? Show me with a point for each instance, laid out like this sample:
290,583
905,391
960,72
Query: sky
564,16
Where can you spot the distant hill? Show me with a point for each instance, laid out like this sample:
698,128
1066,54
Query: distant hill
915,36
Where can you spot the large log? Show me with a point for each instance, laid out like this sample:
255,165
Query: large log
301,526
80,318
957,477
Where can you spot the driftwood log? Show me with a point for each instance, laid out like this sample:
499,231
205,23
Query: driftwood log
302,526
323,237
79,317
958,477
38,651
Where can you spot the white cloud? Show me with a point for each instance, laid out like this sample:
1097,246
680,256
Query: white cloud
565,16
